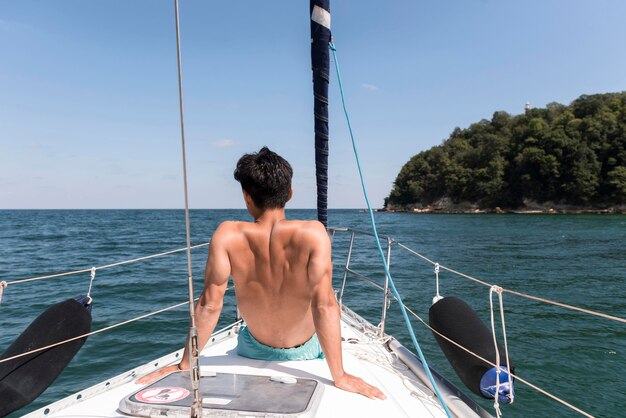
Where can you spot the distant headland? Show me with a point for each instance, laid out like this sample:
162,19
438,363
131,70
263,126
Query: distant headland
559,159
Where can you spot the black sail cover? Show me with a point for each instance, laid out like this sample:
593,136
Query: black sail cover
320,38
23,379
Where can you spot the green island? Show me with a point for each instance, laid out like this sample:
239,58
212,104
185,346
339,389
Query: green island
557,159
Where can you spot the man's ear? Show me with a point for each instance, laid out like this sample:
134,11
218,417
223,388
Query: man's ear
247,198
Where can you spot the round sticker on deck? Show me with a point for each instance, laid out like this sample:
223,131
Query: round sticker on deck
165,394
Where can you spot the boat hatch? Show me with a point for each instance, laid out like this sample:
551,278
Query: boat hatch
227,394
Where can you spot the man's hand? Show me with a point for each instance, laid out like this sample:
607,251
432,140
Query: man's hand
358,385
157,374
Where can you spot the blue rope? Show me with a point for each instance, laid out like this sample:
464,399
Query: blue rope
380,249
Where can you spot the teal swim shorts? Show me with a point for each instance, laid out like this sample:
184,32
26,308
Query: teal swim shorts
248,346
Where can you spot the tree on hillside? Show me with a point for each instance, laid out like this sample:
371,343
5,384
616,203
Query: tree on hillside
572,154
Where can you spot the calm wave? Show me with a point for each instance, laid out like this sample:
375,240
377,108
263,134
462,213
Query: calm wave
577,259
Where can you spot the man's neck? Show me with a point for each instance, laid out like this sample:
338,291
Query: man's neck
270,216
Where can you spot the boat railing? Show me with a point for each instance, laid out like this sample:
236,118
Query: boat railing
386,293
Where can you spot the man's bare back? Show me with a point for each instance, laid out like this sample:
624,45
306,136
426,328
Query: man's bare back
269,270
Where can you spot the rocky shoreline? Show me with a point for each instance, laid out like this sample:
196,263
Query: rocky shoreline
446,206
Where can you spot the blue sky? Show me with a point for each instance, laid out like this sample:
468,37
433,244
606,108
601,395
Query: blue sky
89,106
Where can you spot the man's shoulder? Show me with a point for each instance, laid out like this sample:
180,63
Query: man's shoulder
308,226
231,226
227,230
309,230
304,222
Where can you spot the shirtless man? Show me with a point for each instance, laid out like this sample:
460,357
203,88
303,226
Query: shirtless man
282,273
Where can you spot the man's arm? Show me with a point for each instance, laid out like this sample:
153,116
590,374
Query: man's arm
326,315
209,305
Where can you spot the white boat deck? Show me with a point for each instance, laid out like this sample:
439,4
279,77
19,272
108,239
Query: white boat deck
365,355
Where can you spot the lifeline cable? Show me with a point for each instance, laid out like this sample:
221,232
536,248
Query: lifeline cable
380,249
513,292
106,266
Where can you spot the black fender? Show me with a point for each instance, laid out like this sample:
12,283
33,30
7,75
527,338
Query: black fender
23,379
456,320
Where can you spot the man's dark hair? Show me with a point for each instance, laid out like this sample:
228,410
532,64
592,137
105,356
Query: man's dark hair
266,176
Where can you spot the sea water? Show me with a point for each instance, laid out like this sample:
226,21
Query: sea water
575,259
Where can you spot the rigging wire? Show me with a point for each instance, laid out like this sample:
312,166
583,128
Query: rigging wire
380,249
523,295
196,407
106,266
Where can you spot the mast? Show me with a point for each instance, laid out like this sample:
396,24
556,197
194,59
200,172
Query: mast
320,38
